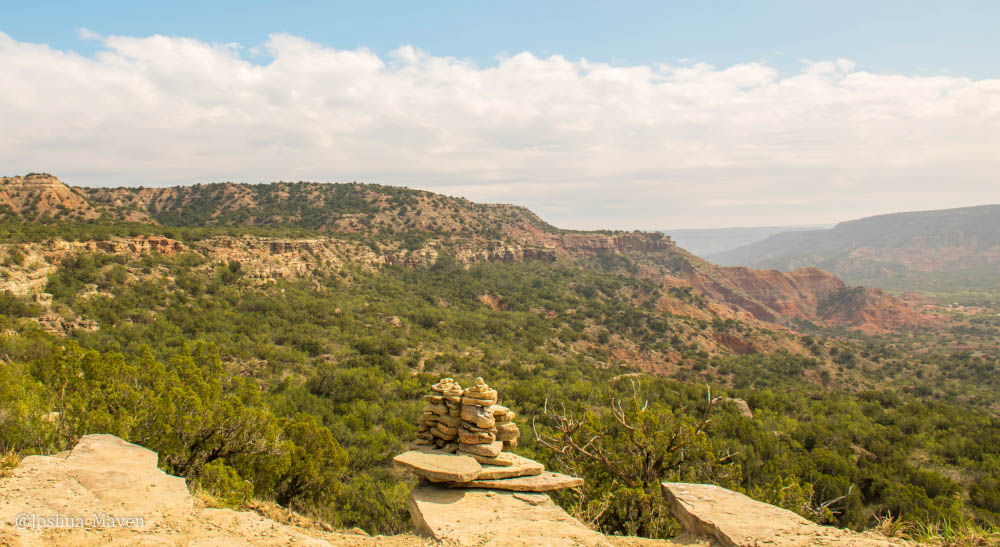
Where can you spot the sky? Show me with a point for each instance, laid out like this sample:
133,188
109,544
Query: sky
648,115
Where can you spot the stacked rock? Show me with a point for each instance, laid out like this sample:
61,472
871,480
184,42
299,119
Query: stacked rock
507,430
478,434
439,422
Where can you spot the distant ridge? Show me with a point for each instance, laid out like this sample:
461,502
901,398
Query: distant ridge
711,241
941,250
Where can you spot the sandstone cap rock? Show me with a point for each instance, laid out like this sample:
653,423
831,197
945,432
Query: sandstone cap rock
439,466
543,482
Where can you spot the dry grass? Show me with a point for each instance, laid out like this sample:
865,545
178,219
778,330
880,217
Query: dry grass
8,462
206,498
892,527
949,534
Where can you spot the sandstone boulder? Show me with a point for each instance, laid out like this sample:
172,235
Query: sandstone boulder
485,518
478,416
735,520
108,478
490,450
439,466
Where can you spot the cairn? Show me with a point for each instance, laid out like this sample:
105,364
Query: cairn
439,421
479,434
467,421
466,440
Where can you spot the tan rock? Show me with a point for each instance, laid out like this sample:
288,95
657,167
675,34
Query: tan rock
444,432
533,498
520,467
733,519
475,437
479,416
502,459
446,385
740,405
477,402
543,482
450,421
104,475
438,409
491,450
484,394
498,410
508,436
477,517
439,467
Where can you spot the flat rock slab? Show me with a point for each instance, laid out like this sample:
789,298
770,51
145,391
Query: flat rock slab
109,477
439,466
504,458
543,482
732,519
519,467
489,518
507,465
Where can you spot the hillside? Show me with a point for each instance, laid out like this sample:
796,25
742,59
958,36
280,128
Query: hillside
412,227
945,250
711,241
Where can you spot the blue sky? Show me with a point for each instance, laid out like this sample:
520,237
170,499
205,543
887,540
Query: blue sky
911,37
593,114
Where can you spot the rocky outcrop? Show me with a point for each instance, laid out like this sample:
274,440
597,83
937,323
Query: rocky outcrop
38,196
59,325
734,520
807,294
795,294
109,492
43,258
494,252
871,310
596,243
741,406
493,518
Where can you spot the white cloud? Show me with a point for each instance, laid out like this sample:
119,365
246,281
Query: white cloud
87,34
585,144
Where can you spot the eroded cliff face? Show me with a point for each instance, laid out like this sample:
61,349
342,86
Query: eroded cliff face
795,294
808,294
591,244
262,259
39,195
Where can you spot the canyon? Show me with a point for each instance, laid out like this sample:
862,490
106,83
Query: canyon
469,232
